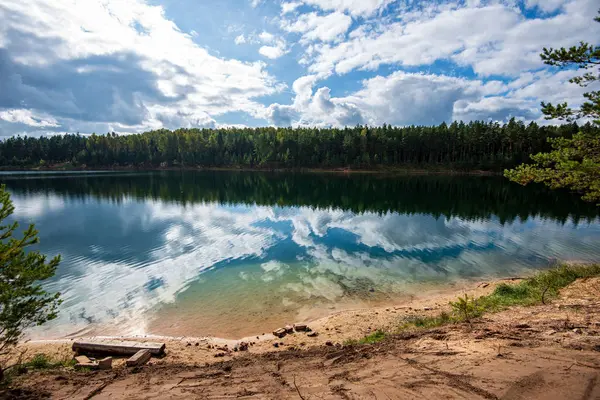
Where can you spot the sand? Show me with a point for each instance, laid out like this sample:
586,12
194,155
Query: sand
543,352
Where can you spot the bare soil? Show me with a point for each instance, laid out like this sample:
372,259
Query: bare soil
543,352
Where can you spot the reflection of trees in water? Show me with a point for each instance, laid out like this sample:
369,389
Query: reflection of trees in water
466,197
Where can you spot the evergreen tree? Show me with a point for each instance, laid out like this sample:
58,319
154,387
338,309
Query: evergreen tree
23,301
573,163
476,145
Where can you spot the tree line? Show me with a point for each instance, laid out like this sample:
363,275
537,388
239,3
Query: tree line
473,145
466,197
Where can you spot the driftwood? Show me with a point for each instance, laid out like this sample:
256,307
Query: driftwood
117,347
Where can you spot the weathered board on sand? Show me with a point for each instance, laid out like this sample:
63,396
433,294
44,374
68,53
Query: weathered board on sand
139,358
124,347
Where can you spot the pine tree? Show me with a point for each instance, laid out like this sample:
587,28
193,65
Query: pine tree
573,163
23,301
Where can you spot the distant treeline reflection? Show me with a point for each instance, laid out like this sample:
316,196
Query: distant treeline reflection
468,197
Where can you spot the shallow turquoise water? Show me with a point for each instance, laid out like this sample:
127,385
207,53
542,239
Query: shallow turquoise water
223,253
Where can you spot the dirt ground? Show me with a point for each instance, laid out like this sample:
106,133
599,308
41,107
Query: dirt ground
542,352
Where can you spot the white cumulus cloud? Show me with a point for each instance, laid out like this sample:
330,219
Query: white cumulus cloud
354,7
28,117
128,66
325,28
274,51
493,39
116,62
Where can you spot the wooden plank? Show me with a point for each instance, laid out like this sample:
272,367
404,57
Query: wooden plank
300,327
281,332
139,358
122,347
85,362
82,360
105,363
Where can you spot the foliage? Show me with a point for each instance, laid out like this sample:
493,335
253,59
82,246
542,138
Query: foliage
476,145
573,163
425,322
23,302
537,289
40,361
375,337
43,361
372,338
466,308
531,291
583,56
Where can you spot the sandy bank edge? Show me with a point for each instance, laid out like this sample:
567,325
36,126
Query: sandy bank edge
335,328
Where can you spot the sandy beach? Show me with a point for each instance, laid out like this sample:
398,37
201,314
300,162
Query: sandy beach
337,327
546,351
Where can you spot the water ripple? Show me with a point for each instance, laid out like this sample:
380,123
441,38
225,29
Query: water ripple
125,261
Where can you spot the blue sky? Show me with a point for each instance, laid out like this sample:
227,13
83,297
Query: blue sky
134,65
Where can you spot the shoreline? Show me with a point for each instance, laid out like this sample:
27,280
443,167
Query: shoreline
341,171
428,300
429,295
337,327
522,349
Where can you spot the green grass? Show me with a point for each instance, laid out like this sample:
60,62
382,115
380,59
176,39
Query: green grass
540,288
38,362
42,361
419,321
373,338
543,287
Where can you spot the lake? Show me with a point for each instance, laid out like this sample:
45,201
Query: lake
231,254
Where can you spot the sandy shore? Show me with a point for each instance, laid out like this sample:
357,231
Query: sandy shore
336,328
541,352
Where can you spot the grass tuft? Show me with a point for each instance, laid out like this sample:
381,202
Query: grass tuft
40,361
427,321
43,361
373,338
538,289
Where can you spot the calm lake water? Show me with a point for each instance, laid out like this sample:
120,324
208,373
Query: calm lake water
232,254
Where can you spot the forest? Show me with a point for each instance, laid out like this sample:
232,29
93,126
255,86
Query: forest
474,145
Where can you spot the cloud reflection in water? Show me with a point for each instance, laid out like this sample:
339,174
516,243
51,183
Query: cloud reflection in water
123,260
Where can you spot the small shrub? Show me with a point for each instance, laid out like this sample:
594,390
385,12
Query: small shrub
40,361
506,290
535,290
466,308
374,337
506,295
427,321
